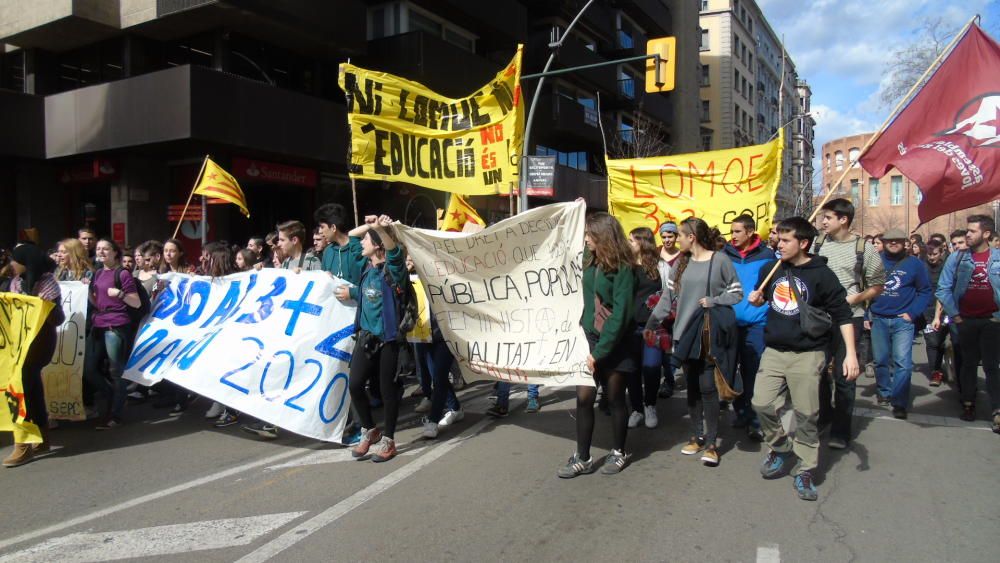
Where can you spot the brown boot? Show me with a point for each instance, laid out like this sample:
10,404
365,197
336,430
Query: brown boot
43,447
22,454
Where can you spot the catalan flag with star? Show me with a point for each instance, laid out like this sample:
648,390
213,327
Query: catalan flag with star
218,184
458,214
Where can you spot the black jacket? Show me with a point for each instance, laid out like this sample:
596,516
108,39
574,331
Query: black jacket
724,341
819,286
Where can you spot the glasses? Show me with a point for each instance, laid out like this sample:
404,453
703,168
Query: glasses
896,242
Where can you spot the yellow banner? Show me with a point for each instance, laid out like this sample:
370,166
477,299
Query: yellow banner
421,331
403,132
716,186
21,317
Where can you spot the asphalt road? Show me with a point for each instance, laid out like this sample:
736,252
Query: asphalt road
176,489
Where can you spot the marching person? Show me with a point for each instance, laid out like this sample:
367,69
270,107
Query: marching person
651,282
608,290
669,254
793,359
894,314
73,263
937,332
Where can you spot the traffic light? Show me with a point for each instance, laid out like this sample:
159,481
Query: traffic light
662,81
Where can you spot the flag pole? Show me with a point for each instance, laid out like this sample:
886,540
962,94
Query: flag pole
191,195
885,124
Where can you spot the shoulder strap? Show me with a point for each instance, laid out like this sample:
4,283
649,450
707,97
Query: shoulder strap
118,277
708,281
819,243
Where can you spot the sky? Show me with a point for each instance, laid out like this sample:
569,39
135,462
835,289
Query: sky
841,47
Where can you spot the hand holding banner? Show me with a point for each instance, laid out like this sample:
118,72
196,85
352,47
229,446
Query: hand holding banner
508,300
63,377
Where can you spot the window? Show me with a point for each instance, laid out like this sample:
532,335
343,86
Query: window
401,17
420,22
873,195
12,70
704,46
706,142
574,159
705,111
827,162
852,155
627,130
626,85
625,40
918,196
896,190
838,158
704,5
736,81
856,192
704,75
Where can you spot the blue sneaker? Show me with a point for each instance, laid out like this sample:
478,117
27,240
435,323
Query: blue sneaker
352,437
804,486
532,405
774,465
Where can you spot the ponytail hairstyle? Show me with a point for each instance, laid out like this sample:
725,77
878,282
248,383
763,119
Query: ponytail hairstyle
611,248
647,254
704,236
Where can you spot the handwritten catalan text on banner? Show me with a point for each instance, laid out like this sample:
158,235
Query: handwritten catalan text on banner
272,344
717,186
21,317
401,131
508,300
63,377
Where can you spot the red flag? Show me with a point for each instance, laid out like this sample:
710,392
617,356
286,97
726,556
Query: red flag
947,140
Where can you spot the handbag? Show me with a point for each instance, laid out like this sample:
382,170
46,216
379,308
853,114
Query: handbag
813,321
726,392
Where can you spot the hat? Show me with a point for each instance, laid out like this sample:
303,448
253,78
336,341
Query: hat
668,227
894,234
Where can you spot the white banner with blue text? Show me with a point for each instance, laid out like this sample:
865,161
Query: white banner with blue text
271,344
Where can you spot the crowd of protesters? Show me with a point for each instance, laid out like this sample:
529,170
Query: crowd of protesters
789,322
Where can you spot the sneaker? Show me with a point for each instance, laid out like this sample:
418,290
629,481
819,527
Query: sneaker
804,486
226,419
418,392
351,437
109,423
260,429
576,466
755,433
693,446
457,382
635,419
665,392
968,412
430,429
837,444
136,396
680,383
424,406
91,413
496,411
368,439
882,401
870,371
936,379
451,417
710,456
384,450
899,412
532,405
741,420
774,465
650,416
215,411
996,422
615,462
178,409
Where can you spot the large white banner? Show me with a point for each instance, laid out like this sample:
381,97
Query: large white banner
63,377
272,344
509,298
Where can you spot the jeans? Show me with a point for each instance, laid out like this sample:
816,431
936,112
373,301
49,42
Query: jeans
433,364
503,393
669,366
836,396
113,344
980,342
934,341
702,400
751,348
645,383
892,345
379,363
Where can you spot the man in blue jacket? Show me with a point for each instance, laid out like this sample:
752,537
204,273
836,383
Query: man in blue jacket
904,299
749,256
969,292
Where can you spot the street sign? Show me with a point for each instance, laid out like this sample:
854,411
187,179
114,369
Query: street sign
541,172
193,213
661,79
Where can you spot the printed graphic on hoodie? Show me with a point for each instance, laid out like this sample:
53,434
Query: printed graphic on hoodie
784,298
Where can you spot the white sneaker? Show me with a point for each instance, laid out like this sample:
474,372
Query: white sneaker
634,419
430,429
451,417
423,406
215,411
651,418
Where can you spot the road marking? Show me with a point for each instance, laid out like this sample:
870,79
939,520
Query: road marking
337,456
342,508
243,467
768,553
158,540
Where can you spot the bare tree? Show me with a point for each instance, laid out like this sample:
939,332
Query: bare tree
909,62
647,138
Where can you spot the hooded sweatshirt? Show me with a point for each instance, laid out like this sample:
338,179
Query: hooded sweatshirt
819,287
907,287
748,263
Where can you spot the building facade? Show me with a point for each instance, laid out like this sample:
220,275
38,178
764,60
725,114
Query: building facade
110,107
750,89
882,204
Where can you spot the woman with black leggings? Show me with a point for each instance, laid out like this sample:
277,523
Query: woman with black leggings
608,290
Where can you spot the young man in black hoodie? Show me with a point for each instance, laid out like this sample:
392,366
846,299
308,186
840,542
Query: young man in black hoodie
790,368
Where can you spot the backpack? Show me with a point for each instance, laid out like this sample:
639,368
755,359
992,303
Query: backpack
407,311
135,315
859,265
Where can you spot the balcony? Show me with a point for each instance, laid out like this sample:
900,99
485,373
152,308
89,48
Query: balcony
561,118
194,103
432,61
571,183
57,26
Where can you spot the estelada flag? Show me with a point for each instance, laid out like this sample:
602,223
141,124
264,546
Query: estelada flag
947,139
458,214
219,184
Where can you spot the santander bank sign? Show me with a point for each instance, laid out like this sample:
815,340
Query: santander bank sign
273,173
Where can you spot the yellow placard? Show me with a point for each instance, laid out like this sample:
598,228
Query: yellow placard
21,318
403,132
421,331
716,186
